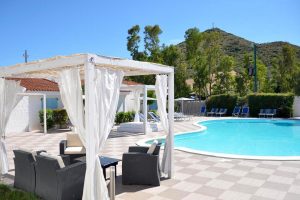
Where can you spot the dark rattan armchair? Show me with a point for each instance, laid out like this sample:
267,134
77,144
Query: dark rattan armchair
56,183
140,168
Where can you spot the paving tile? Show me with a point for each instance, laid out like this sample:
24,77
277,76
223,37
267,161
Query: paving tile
280,179
269,193
174,194
232,195
244,188
251,181
220,184
294,189
292,196
194,196
210,191
186,186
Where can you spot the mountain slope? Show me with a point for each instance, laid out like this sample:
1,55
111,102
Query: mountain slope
236,47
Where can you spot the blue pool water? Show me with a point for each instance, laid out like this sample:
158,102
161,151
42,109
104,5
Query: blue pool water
251,137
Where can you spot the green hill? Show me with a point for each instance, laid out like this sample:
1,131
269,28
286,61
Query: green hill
236,47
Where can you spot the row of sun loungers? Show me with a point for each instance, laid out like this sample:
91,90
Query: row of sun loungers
237,111
267,113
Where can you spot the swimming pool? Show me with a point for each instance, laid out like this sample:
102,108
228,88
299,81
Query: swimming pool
244,138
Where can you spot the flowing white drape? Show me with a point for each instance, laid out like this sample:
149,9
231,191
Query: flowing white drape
71,95
8,100
106,88
161,90
137,105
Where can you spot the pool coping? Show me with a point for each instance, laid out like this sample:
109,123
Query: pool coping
220,155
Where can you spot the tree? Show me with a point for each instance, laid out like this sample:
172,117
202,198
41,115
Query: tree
172,56
214,54
193,39
151,40
201,76
285,69
223,77
133,40
242,78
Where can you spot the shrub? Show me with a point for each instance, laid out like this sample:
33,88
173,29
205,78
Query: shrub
282,102
7,192
60,117
122,117
228,101
49,116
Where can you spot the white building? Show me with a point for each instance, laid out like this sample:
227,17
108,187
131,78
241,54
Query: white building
25,117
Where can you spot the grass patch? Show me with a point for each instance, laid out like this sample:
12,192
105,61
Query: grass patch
7,193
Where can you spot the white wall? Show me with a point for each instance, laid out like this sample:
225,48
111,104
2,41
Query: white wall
297,107
25,116
126,102
19,119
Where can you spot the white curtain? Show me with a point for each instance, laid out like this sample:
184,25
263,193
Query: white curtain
8,100
137,104
107,85
161,90
71,95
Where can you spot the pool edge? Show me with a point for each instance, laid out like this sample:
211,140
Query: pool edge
219,155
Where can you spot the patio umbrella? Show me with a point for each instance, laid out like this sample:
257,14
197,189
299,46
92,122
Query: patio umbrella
183,99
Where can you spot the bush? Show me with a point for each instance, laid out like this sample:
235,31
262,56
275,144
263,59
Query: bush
122,117
49,115
60,117
282,102
7,192
228,101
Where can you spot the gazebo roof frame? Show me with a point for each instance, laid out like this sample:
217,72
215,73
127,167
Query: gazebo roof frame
49,68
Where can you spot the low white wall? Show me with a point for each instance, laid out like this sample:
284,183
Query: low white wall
296,108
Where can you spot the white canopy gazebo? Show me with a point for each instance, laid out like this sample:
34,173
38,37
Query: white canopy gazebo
103,77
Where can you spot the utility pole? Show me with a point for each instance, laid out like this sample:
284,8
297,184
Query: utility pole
25,55
255,68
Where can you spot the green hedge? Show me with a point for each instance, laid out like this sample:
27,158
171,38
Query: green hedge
49,117
60,117
282,102
122,117
7,192
228,101
57,116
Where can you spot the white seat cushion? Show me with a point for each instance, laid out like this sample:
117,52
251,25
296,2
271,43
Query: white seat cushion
152,147
58,158
73,140
75,150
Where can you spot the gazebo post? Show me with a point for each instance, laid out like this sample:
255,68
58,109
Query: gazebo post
145,109
171,120
89,117
45,113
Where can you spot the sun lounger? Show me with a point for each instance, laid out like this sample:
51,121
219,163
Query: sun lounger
212,112
180,116
236,111
221,112
203,111
271,113
262,112
154,116
245,112
142,117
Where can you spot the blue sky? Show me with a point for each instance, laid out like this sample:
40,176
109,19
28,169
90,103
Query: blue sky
63,27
